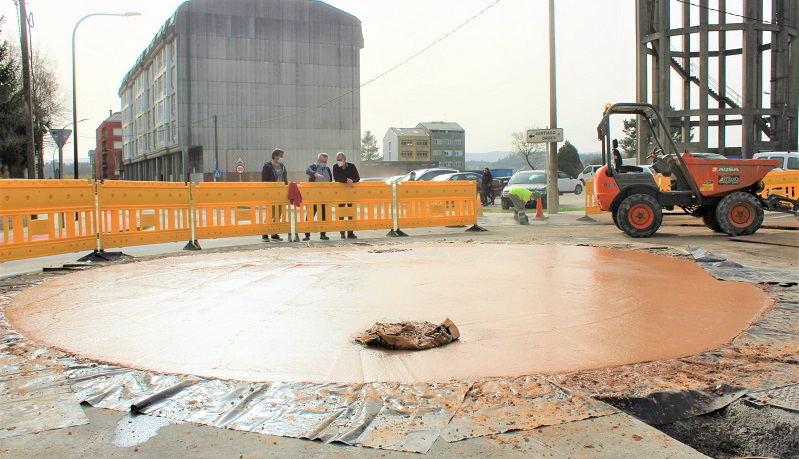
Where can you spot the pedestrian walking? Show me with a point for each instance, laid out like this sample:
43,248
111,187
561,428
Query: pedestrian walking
488,193
519,197
319,172
344,172
275,171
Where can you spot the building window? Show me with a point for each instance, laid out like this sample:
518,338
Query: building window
457,153
459,142
436,141
421,154
407,154
407,143
421,143
447,153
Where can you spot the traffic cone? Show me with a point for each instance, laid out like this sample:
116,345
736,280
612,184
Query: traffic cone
539,209
479,206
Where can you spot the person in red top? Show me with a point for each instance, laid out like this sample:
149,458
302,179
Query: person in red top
344,172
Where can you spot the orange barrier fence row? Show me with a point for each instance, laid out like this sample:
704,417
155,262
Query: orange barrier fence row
49,217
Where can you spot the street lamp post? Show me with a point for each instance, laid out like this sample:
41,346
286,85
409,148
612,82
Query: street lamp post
74,91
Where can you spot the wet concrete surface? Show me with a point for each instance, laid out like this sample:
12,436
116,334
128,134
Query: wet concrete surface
292,314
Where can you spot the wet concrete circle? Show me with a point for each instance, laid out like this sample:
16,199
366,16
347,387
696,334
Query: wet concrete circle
292,314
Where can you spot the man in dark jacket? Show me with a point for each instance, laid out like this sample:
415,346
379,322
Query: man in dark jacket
319,172
275,171
344,172
488,192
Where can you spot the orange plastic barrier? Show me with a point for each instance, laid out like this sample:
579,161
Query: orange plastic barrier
231,209
46,217
591,204
367,206
783,183
141,213
421,204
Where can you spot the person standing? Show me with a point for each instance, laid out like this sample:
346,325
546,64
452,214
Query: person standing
319,172
488,193
275,171
344,172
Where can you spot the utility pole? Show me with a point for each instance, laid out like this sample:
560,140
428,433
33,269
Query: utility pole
552,168
30,146
216,151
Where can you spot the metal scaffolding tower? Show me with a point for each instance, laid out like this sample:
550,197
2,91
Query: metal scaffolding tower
725,72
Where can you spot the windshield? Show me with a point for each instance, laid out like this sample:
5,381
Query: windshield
529,178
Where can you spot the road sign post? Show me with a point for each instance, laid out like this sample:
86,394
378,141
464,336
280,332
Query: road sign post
545,135
60,137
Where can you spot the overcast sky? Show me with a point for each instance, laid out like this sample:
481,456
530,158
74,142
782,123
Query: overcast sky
491,76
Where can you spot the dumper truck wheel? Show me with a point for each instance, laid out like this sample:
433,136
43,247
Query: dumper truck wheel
709,219
739,214
616,219
639,215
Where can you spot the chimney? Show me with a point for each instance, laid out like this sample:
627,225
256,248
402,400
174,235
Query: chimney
110,112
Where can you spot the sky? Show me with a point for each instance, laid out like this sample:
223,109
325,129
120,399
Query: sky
491,76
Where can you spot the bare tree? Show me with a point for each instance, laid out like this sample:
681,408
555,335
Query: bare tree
534,153
50,103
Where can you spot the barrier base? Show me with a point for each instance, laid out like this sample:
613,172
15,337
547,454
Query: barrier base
476,229
398,233
101,256
585,218
192,245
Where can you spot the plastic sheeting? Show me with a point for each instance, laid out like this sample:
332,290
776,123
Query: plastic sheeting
34,394
724,269
403,417
498,406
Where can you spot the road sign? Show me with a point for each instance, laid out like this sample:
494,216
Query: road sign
239,168
60,136
545,135
240,161
217,173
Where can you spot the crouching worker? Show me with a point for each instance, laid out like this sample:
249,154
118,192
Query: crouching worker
519,197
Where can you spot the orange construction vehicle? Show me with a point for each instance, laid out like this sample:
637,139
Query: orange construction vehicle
722,192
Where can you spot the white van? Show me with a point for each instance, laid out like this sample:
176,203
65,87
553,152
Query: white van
588,173
789,159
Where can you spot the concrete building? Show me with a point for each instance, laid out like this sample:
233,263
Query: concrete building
225,79
447,143
109,148
406,144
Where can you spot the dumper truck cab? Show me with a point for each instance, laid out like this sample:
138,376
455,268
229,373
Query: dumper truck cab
723,192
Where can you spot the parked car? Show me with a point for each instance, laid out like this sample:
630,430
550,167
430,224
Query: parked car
535,181
789,159
375,179
496,185
568,184
427,174
588,173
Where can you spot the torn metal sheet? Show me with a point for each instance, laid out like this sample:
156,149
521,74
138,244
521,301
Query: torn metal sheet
402,417
723,269
497,406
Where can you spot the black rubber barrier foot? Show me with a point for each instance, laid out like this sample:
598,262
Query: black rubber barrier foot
476,229
192,245
101,256
400,233
392,233
586,219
